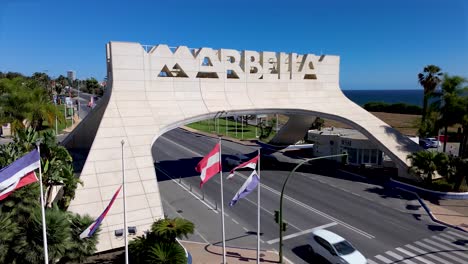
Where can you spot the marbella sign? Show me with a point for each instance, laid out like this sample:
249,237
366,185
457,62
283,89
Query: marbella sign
229,64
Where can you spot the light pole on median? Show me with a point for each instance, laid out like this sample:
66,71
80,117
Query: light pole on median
280,218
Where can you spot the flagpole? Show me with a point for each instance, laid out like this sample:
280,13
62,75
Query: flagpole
222,204
44,232
124,205
258,209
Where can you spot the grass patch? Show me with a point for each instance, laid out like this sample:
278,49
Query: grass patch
229,128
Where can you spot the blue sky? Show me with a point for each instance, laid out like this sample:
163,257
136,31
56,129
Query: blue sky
382,44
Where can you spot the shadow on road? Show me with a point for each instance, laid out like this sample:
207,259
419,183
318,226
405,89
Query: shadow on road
305,254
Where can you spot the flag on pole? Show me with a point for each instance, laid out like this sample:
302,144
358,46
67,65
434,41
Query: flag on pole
248,164
249,185
88,232
19,173
209,165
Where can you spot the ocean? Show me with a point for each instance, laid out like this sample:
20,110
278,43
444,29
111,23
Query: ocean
360,97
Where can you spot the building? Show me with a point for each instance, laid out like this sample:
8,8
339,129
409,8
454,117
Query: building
333,141
71,75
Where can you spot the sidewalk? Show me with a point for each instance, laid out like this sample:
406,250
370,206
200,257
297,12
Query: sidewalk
453,212
208,253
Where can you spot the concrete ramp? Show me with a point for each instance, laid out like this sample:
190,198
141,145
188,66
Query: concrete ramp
154,89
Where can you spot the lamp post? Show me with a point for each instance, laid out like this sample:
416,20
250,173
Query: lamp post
280,222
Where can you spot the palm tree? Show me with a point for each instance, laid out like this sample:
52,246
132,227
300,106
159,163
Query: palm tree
424,164
8,230
160,245
170,229
166,253
429,79
29,243
450,103
80,249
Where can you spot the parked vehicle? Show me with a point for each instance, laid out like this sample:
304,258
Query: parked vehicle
334,248
429,143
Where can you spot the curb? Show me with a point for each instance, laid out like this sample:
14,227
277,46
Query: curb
428,211
435,194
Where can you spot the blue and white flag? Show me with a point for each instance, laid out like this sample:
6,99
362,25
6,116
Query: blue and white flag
249,185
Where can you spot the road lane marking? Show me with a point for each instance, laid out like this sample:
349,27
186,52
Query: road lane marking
266,210
196,230
181,185
384,259
450,243
449,237
463,255
399,258
458,235
371,262
276,240
422,252
355,229
438,251
414,256
234,221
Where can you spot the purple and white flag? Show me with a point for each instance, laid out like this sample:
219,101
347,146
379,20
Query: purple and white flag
249,185
19,173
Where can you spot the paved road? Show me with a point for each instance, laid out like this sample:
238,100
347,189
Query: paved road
384,225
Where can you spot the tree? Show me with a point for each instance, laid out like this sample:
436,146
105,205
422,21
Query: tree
79,248
449,103
25,103
160,245
429,79
170,229
43,79
93,86
28,247
424,164
8,229
166,253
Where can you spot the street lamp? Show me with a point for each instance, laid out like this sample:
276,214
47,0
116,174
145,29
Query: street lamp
280,220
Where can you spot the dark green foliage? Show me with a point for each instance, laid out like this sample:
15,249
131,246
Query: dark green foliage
23,206
166,253
160,245
8,230
25,102
79,249
429,79
424,164
28,246
398,108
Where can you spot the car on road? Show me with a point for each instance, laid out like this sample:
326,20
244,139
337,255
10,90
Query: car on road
334,248
235,160
429,143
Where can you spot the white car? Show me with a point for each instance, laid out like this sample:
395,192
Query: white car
334,248
235,160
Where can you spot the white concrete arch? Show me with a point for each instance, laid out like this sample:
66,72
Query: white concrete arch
156,91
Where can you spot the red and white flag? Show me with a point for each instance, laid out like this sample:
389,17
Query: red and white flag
209,165
248,164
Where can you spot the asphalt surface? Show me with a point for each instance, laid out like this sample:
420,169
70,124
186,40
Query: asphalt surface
374,219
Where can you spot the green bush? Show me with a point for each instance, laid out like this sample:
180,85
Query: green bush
398,108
